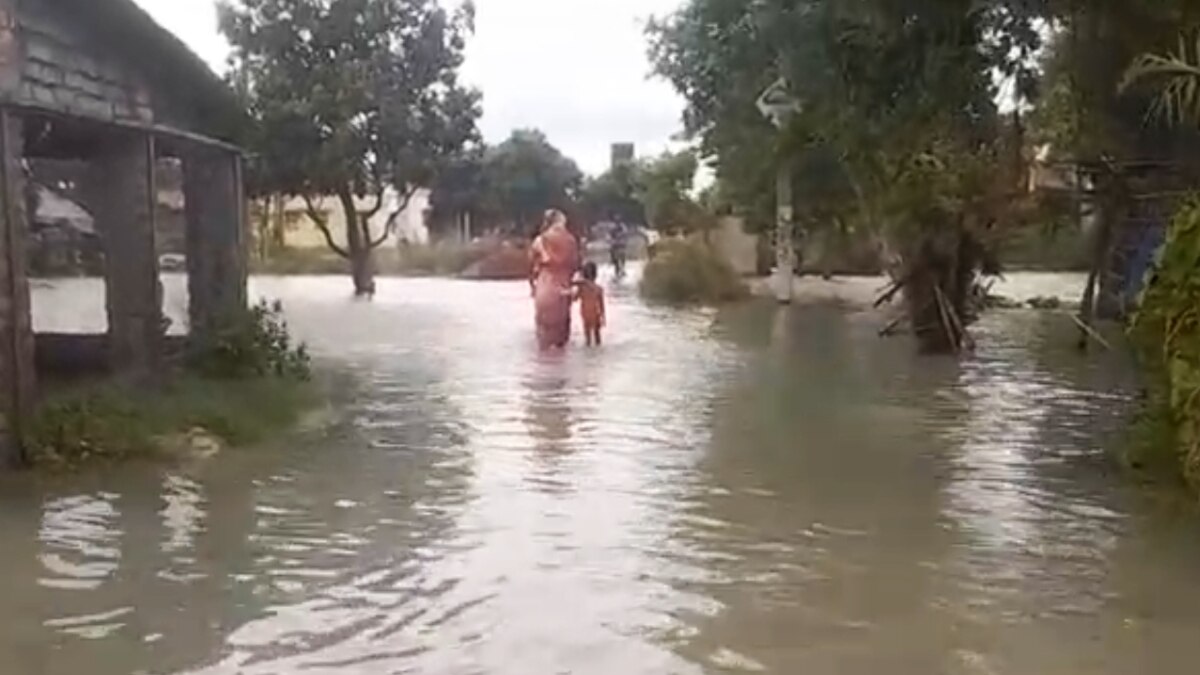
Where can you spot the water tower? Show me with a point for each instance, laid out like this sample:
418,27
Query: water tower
623,153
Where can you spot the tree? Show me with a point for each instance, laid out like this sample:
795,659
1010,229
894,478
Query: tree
506,187
351,98
458,195
1089,120
665,191
1178,76
524,176
614,194
898,131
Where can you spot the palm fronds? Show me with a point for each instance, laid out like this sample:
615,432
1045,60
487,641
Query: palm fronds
1178,76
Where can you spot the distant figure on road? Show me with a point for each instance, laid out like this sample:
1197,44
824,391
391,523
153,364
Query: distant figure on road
555,258
618,245
591,304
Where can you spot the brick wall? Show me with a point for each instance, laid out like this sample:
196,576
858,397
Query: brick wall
64,69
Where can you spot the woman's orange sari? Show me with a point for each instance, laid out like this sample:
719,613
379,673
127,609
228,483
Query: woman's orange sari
555,259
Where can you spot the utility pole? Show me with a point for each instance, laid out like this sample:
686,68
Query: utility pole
778,105
785,250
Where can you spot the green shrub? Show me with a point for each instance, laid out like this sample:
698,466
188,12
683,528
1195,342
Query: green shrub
255,344
683,272
302,261
111,422
1166,331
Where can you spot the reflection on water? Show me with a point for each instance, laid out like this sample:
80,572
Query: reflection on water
753,490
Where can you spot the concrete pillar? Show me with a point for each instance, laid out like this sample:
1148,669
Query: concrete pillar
16,332
121,192
215,205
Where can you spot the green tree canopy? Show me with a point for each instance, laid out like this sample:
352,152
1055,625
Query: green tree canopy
524,176
665,191
614,194
508,186
898,128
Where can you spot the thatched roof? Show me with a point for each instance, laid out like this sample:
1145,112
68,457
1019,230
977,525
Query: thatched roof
171,67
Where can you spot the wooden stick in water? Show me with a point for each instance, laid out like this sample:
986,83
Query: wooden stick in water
1089,331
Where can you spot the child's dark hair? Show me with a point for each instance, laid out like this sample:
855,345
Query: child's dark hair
590,271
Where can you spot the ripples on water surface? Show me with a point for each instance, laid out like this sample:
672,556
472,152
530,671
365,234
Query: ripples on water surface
749,491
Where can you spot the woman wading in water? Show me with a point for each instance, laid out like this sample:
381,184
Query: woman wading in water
555,256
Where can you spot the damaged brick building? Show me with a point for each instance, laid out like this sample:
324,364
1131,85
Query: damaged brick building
99,82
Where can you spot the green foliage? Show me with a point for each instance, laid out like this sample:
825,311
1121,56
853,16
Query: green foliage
614,194
1178,73
688,272
111,422
1166,330
656,192
665,190
1097,75
255,344
525,175
508,186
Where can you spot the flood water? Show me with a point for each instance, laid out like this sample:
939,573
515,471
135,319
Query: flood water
751,490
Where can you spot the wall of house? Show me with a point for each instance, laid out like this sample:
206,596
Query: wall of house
64,70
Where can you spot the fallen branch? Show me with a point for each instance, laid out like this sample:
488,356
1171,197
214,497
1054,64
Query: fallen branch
1089,331
890,292
943,312
964,337
890,329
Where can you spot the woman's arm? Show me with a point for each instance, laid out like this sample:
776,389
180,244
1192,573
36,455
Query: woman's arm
535,264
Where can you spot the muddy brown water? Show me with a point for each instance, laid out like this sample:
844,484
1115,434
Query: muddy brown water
750,490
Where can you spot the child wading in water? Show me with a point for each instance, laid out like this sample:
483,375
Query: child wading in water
591,304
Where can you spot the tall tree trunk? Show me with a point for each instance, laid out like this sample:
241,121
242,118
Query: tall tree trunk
362,271
279,227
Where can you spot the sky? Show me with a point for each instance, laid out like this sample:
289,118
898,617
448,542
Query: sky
576,69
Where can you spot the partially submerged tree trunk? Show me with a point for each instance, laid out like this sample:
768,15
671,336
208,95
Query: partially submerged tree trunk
938,274
1111,207
358,247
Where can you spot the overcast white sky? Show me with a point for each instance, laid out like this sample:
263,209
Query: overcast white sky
576,69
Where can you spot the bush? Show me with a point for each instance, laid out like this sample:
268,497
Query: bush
255,344
1166,331
112,422
683,272
438,259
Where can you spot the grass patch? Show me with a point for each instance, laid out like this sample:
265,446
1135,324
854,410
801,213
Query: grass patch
243,385
295,261
438,259
686,272
110,422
